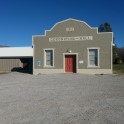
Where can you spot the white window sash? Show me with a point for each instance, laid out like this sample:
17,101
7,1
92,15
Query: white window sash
94,57
51,56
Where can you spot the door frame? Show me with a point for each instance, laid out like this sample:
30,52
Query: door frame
64,54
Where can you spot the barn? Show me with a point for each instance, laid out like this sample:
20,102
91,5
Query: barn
16,59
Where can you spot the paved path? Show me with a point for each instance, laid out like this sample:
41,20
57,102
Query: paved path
61,99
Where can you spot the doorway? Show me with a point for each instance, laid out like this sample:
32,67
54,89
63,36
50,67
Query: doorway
70,63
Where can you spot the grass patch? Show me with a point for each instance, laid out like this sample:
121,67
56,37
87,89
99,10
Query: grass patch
118,68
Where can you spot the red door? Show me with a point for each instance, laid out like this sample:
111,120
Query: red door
70,63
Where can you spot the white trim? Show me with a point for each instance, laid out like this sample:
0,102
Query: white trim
62,22
16,52
112,53
64,60
32,41
73,20
33,54
80,71
45,57
47,71
94,71
33,58
90,66
113,44
77,38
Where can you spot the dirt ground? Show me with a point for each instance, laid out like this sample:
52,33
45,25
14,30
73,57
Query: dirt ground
61,99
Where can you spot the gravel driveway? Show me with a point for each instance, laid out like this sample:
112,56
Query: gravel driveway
61,99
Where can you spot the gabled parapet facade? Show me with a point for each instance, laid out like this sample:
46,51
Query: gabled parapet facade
72,46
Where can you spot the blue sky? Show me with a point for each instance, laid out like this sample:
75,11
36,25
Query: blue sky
20,19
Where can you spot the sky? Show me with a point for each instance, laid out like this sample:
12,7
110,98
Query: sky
20,19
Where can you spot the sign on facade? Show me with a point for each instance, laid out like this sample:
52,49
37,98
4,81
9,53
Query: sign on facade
78,38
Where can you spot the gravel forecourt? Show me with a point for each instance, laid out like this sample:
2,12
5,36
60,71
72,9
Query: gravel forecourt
61,99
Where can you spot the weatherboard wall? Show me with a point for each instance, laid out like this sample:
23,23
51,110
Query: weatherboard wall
9,64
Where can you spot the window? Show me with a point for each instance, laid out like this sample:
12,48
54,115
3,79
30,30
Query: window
93,57
49,58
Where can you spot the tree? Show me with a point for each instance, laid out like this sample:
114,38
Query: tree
116,57
105,27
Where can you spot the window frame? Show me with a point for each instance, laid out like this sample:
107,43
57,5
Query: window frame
98,57
45,63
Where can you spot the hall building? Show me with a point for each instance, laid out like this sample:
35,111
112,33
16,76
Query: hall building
72,46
